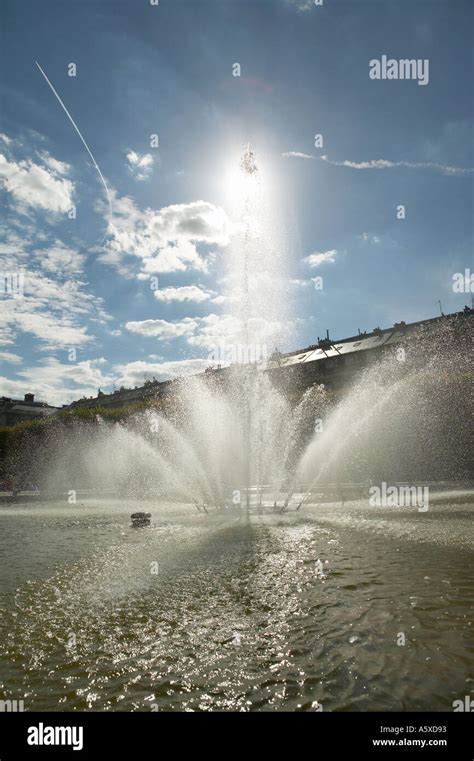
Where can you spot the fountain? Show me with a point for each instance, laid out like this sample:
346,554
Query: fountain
242,442
236,439
237,586
248,162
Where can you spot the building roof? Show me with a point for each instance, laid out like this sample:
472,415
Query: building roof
363,342
327,350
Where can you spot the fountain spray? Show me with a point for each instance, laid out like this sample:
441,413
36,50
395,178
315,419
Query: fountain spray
249,167
248,163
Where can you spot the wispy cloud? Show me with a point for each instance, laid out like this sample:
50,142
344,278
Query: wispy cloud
140,165
383,164
368,238
386,164
301,283
8,356
134,373
302,5
59,383
320,257
297,155
55,307
61,260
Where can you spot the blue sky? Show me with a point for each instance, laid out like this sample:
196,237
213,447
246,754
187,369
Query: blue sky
89,317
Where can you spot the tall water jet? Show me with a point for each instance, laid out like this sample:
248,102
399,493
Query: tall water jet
257,284
249,168
248,162
255,278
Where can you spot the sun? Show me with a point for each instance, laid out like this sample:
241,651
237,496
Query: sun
242,179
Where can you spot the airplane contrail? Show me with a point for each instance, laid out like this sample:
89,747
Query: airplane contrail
85,146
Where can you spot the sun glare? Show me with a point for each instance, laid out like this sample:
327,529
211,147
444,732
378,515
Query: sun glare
239,186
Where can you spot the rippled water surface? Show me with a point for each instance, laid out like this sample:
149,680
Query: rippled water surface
221,612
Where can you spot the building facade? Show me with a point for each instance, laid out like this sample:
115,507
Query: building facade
333,363
14,411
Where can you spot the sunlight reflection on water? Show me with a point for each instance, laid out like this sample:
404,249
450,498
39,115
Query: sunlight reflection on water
238,617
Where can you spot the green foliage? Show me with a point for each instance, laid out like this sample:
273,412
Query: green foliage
17,438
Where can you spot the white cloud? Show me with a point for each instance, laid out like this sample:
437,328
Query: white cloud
305,283
7,140
163,241
297,155
175,258
33,185
58,383
185,293
319,257
302,5
221,299
372,164
367,238
61,260
134,373
209,331
7,356
55,309
56,166
53,330
216,330
140,165
51,310
116,259
162,328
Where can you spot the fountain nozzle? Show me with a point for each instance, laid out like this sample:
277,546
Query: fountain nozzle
247,162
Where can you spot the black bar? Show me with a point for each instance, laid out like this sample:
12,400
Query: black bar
127,735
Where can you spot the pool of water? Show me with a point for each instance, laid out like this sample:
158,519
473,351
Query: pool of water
348,608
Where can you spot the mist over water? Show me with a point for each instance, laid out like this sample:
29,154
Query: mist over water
398,421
